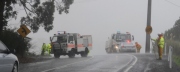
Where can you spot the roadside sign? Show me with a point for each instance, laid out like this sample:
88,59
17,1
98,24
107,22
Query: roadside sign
148,29
23,31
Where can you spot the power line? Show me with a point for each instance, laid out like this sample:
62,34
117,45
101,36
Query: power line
172,3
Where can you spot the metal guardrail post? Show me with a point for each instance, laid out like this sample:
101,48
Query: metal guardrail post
170,56
169,53
165,49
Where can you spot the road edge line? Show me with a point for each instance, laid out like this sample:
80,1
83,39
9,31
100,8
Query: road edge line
127,64
132,64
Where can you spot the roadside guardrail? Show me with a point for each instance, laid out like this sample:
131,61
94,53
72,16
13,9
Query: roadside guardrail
165,47
170,56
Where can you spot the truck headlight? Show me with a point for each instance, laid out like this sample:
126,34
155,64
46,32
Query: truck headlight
116,47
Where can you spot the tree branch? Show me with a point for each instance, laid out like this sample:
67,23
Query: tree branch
24,5
59,4
30,4
26,11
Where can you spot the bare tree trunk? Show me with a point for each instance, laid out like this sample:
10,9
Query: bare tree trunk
2,4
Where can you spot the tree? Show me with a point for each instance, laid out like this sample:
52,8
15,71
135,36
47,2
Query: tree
176,28
38,14
173,33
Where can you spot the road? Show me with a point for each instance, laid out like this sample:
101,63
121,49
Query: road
98,63
149,63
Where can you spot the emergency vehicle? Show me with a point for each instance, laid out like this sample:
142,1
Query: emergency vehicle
113,43
70,44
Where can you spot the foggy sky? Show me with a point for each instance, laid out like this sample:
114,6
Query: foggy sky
101,18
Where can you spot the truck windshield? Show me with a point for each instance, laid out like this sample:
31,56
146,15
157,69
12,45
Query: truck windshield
70,39
59,39
62,39
54,39
123,37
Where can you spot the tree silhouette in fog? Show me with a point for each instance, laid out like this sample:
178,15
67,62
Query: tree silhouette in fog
39,14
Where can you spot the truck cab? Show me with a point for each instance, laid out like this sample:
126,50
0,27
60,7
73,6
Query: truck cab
70,44
123,37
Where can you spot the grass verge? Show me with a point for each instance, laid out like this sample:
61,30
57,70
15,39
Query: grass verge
176,59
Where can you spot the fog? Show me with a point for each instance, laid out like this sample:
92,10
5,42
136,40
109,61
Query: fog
101,18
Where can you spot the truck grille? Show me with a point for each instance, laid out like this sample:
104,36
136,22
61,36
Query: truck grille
128,46
63,46
56,46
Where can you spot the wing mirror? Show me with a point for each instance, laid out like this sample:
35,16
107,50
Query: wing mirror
12,51
132,37
50,39
81,36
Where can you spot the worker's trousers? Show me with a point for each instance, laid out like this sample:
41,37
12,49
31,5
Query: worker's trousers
42,52
138,50
160,51
49,51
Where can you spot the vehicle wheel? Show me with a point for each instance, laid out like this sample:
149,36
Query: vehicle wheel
15,68
71,54
84,53
111,51
119,51
114,51
107,51
56,55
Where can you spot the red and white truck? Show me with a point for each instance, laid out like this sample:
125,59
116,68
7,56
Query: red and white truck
70,44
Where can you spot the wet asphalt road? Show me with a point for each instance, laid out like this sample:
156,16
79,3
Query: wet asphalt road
149,63
98,63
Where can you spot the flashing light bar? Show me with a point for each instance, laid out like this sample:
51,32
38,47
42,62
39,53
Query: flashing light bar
127,32
61,31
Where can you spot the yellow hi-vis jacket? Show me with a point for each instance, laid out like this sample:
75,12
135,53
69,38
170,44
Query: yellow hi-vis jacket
44,47
48,46
160,42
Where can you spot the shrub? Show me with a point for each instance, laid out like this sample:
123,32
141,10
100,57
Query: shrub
14,41
175,45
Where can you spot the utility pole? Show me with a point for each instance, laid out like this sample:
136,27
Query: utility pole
148,24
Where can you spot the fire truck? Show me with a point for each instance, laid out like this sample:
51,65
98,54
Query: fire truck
70,44
113,43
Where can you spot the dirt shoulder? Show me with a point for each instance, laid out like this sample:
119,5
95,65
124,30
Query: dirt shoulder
32,59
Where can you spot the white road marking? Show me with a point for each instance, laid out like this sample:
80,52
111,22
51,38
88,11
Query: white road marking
125,64
60,67
134,62
147,68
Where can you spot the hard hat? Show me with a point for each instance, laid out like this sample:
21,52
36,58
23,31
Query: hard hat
160,34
